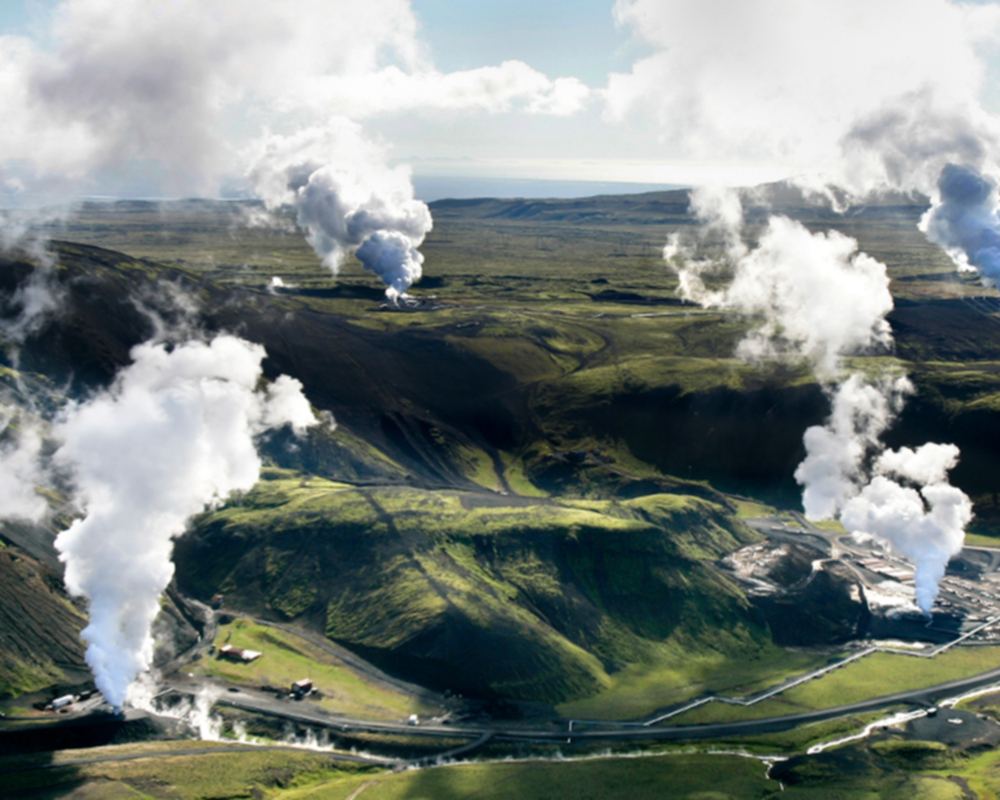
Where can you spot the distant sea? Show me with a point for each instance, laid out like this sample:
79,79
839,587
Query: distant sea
429,188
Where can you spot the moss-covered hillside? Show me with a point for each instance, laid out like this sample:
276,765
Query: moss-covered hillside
39,628
480,593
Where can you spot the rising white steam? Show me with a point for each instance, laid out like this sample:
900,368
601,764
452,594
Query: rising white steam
195,711
836,453
821,299
900,496
21,470
964,221
346,199
816,295
174,434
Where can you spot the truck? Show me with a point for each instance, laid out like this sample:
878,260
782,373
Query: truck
63,702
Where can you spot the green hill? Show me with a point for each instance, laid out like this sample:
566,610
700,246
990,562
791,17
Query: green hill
478,593
40,641
521,496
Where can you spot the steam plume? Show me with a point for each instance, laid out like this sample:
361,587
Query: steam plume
174,434
20,466
821,299
900,496
964,221
836,453
347,200
925,524
817,296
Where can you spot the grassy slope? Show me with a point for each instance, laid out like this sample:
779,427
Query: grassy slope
876,675
288,658
306,776
39,628
525,599
886,768
220,773
683,776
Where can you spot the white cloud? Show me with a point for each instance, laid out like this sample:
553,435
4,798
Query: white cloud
858,89
513,85
165,89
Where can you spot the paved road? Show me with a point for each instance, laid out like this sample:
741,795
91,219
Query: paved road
481,734
304,713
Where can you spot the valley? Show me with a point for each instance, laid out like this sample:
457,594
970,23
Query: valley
554,511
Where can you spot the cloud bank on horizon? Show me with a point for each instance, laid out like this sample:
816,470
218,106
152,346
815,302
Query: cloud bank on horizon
176,89
865,94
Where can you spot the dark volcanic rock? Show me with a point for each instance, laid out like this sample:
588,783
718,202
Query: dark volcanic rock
805,601
828,607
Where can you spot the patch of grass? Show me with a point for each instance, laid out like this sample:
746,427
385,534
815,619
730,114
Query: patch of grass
978,540
19,677
516,478
831,525
805,736
911,754
641,689
288,658
220,773
749,509
873,676
686,777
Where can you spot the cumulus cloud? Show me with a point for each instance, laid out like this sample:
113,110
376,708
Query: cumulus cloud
154,93
860,91
511,86
174,434
347,199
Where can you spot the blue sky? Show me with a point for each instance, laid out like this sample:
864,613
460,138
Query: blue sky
558,37
720,91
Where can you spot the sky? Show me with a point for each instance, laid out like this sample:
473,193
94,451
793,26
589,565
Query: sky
171,97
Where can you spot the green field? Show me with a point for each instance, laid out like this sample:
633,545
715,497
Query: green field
223,772
295,775
288,658
555,600
978,540
884,768
873,676
637,691
676,776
